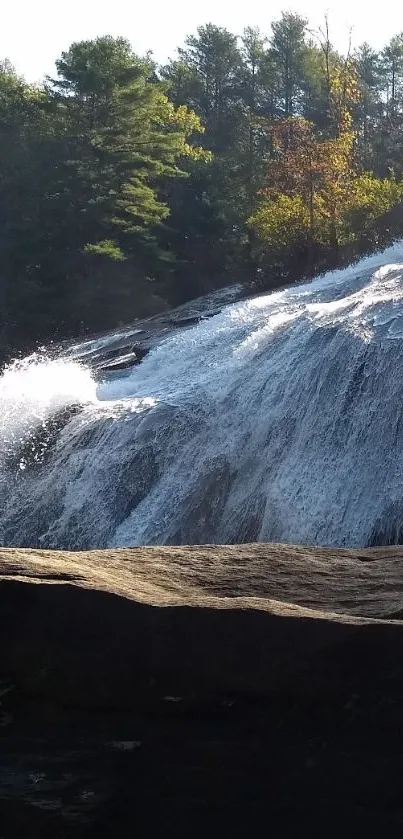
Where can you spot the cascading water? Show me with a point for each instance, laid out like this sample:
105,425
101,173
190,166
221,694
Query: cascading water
280,418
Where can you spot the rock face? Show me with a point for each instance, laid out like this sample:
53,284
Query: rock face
203,688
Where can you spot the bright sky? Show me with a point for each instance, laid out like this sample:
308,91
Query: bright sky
33,33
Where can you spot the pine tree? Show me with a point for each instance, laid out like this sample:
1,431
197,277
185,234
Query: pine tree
288,49
122,136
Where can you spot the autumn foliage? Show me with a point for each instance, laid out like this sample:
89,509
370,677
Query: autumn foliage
316,195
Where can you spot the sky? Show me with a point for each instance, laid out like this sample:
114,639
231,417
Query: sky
33,33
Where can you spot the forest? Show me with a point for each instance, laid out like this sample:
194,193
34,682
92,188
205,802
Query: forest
127,187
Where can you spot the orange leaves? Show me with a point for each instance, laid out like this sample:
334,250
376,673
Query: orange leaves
303,164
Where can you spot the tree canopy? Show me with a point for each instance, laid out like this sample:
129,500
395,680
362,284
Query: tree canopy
125,186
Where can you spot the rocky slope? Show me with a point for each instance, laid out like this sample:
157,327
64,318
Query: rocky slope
181,690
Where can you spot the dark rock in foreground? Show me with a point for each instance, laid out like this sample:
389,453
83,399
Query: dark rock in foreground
182,691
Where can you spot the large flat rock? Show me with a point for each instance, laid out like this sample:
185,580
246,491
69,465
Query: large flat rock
200,687
102,627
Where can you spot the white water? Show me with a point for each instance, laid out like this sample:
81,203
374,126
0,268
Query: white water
34,389
279,418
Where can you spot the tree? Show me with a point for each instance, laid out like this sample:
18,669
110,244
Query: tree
317,200
387,149
254,87
122,136
210,78
26,159
110,208
88,158
392,73
288,50
214,58
368,110
314,170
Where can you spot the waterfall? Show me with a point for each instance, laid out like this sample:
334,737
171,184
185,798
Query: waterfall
279,418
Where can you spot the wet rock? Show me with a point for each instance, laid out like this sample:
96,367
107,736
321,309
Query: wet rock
121,363
187,321
124,361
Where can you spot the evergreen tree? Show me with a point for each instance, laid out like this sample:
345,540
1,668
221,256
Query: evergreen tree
104,186
215,60
368,109
122,136
87,161
288,49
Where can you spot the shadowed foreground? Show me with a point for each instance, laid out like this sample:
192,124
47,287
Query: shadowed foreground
181,690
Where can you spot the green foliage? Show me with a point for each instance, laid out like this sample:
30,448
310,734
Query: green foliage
285,222
369,199
129,134
280,224
106,248
289,53
240,154
85,162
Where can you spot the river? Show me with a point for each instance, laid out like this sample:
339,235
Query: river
277,417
